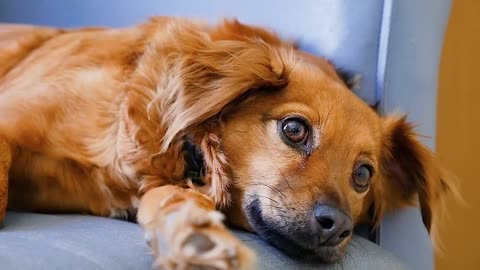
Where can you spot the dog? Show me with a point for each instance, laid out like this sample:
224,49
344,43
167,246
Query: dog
181,123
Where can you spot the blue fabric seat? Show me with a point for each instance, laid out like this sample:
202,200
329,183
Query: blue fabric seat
40,241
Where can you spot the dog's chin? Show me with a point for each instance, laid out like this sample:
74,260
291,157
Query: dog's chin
321,253
299,247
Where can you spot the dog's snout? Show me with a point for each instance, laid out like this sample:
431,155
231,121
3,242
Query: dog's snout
334,226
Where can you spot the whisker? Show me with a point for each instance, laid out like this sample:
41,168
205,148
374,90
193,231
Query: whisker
269,186
284,178
278,208
326,118
268,198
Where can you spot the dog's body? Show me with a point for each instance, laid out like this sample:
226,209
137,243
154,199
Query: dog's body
95,121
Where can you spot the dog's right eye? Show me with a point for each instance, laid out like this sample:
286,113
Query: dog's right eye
295,132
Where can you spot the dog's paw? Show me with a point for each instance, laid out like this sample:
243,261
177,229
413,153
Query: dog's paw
202,250
194,238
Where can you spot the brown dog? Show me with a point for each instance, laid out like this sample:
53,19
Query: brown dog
100,121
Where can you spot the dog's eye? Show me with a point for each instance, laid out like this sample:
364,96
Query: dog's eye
294,130
361,177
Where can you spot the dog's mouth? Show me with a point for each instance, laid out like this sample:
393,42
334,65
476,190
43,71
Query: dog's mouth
294,244
321,253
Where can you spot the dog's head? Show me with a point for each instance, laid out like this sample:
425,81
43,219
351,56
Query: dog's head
291,152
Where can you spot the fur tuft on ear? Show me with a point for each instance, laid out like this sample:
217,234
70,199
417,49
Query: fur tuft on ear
409,168
232,29
216,179
213,74
350,79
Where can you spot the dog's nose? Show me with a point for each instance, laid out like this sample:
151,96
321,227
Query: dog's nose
334,225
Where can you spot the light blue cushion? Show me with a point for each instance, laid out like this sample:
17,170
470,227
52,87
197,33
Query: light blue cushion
70,242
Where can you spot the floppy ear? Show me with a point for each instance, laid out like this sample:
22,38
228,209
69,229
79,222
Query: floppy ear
408,168
232,29
350,79
214,74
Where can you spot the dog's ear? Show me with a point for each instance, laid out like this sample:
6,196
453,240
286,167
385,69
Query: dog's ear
350,79
216,73
408,168
232,29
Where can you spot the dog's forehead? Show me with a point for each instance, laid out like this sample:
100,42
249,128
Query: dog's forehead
311,61
318,85
330,103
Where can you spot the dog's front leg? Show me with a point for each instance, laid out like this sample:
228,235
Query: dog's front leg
186,232
5,162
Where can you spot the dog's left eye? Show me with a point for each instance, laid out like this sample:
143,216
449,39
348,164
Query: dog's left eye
361,177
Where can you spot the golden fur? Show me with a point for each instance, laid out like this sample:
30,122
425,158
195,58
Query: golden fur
96,120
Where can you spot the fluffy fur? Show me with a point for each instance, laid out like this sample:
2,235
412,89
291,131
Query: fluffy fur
95,120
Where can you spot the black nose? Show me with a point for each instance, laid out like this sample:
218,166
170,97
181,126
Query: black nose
334,225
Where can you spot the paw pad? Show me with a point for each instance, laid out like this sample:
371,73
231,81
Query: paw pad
198,243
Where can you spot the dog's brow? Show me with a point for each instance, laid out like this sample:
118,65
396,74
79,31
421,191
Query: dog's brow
266,117
366,154
293,108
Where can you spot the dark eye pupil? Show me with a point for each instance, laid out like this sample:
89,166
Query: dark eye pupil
362,176
294,130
